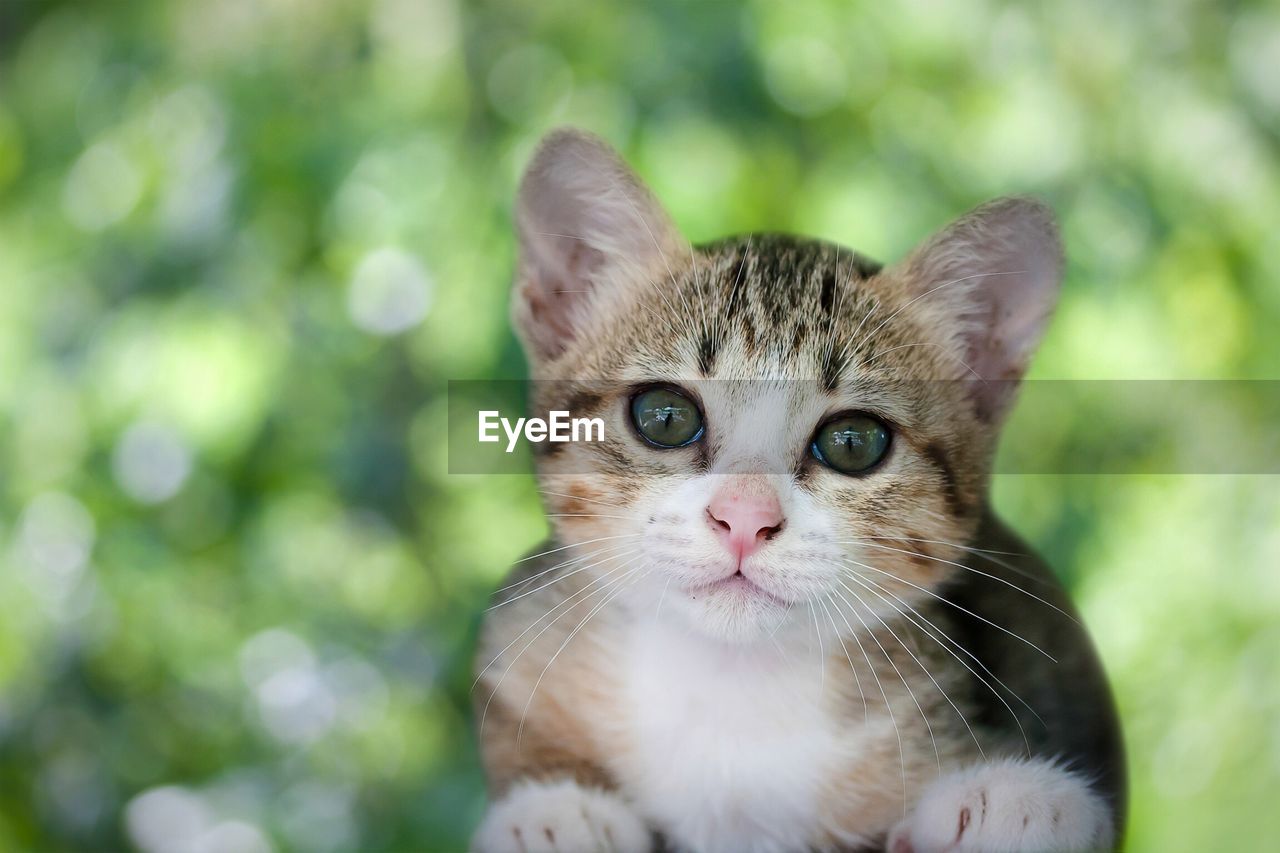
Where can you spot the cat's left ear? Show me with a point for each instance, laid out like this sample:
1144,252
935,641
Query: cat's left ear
991,279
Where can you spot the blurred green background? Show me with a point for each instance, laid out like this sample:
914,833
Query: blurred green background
245,243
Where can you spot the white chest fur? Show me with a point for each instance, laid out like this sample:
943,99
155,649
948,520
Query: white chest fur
730,749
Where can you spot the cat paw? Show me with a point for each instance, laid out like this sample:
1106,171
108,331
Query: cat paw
1010,805
560,817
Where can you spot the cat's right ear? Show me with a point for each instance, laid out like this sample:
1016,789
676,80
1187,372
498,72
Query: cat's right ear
590,234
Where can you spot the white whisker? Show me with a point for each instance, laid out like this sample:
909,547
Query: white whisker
865,363
931,290
617,589
671,276
919,663
888,706
866,714
571,545
580,498
928,725
658,613
959,607
822,653
587,556
551,582
560,604
589,593
919,619
997,578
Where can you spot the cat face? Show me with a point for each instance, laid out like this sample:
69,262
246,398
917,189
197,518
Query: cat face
794,437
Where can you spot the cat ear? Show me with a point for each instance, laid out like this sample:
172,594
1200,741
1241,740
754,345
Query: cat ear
590,233
995,273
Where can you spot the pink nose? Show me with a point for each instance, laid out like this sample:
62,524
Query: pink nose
744,522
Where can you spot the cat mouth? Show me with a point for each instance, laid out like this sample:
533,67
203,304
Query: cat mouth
738,584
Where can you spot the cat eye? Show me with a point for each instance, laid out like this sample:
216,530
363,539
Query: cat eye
666,418
851,444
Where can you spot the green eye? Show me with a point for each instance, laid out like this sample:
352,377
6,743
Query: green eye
851,444
666,418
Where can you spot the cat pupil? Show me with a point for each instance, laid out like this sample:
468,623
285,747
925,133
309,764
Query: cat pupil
848,437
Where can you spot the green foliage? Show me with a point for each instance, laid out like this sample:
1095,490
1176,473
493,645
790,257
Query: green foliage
244,245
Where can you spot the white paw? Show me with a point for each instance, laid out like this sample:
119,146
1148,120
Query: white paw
560,817
1010,805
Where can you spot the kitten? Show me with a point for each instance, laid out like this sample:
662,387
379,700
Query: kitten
777,614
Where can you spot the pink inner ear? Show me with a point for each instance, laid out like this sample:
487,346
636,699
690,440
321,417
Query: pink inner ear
1006,329
581,216
1011,317
554,289
546,312
1009,252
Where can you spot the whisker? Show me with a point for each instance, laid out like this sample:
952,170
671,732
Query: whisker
921,621
572,545
657,613
697,297
565,236
617,589
580,498
953,705
782,652
781,619
928,725
1007,583
589,593
671,276
959,607
854,340
931,290
582,239
866,713
822,654
560,604
888,706
831,321
984,553
863,365
549,583
569,562
944,542
521,595
722,318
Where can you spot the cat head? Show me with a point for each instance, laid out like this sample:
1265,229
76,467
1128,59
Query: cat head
788,426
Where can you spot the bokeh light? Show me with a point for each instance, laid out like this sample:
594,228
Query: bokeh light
244,246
